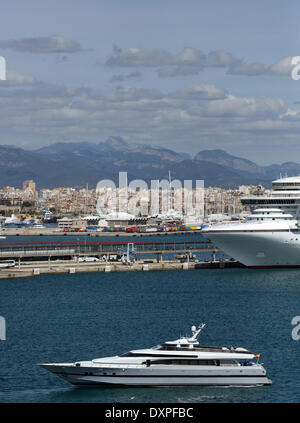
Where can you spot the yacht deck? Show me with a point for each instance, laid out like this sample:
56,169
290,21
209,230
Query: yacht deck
200,348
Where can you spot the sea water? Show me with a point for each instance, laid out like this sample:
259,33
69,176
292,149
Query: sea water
65,318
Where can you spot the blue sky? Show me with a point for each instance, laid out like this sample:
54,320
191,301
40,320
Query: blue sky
184,75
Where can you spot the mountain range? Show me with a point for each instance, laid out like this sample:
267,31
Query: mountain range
76,164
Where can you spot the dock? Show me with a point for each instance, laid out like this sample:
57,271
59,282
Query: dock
59,232
55,249
38,268
36,258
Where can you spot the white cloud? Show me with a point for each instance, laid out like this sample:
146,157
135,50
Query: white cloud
251,69
220,58
190,56
179,70
14,78
282,68
140,57
132,94
246,107
122,78
44,113
201,92
191,61
53,44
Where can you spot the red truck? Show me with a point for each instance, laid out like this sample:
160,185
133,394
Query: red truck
133,229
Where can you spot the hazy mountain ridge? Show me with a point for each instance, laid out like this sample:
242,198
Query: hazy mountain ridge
222,158
75,164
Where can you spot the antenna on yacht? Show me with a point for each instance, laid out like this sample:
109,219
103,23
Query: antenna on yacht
297,216
196,331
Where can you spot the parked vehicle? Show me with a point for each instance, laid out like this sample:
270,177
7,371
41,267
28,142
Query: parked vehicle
151,229
132,229
88,259
109,229
111,257
4,264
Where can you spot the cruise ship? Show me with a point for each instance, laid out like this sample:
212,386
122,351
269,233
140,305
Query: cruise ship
182,362
270,236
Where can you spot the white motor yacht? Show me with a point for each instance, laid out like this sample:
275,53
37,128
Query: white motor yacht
38,226
173,363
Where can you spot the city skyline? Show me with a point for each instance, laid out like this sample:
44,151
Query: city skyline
145,201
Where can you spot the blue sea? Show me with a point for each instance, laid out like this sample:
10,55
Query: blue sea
54,318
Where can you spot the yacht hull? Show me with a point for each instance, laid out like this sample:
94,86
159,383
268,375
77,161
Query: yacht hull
251,376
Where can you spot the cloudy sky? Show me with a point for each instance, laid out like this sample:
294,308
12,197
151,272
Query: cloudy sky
187,75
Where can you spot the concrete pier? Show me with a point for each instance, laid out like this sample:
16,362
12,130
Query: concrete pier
40,268
47,250
58,232
37,258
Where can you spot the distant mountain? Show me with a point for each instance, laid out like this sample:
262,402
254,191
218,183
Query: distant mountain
288,168
75,164
224,159
112,147
213,174
246,168
69,148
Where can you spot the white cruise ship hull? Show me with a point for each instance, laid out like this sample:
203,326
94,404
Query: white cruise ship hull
270,235
222,376
259,249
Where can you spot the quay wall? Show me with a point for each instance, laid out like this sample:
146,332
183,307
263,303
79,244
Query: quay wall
36,269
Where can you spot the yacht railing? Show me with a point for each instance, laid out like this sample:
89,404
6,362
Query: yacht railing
194,349
119,365
140,366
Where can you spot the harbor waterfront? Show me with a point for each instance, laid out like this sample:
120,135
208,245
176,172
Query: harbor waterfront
24,256
37,269
53,231
75,317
